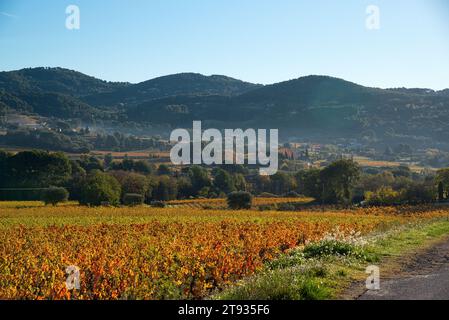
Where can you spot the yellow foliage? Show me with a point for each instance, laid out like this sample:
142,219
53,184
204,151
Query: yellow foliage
159,253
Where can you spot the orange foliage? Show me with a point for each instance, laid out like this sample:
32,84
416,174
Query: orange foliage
168,255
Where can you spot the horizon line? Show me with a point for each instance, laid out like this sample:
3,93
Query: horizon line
223,75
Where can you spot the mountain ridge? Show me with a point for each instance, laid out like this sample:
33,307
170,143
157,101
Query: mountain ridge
186,83
315,106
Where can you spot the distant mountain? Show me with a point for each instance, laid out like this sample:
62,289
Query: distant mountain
303,104
53,92
55,80
173,85
310,90
65,93
315,107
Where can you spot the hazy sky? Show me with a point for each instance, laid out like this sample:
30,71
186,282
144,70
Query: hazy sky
263,41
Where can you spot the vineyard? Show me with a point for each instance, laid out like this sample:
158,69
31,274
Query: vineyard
160,253
221,203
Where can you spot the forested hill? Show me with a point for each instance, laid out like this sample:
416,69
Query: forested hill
52,92
313,106
57,80
65,93
188,84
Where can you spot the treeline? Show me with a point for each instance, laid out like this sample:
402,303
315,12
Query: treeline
94,181
343,182
120,142
46,139
77,142
90,180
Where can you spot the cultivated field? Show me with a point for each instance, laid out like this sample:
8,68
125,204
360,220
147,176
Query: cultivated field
221,203
160,253
369,163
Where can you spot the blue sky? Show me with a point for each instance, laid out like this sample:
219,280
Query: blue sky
263,41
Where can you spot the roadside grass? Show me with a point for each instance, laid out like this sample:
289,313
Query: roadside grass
411,238
324,270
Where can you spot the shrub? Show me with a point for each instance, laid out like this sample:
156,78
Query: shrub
292,194
286,207
267,207
204,192
385,196
55,195
413,193
98,188
158,204
419,193
328,248
288,260
338,248
213,195
133,199
240,200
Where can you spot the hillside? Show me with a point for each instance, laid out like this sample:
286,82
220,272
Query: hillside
66,94
317,107
314,106
172,85
56,80
51,92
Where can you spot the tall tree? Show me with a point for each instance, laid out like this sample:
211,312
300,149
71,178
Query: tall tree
309,183
443,178
223,181
199,178
338,181
38,169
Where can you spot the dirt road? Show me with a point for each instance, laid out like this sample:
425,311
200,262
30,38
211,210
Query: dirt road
423,277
